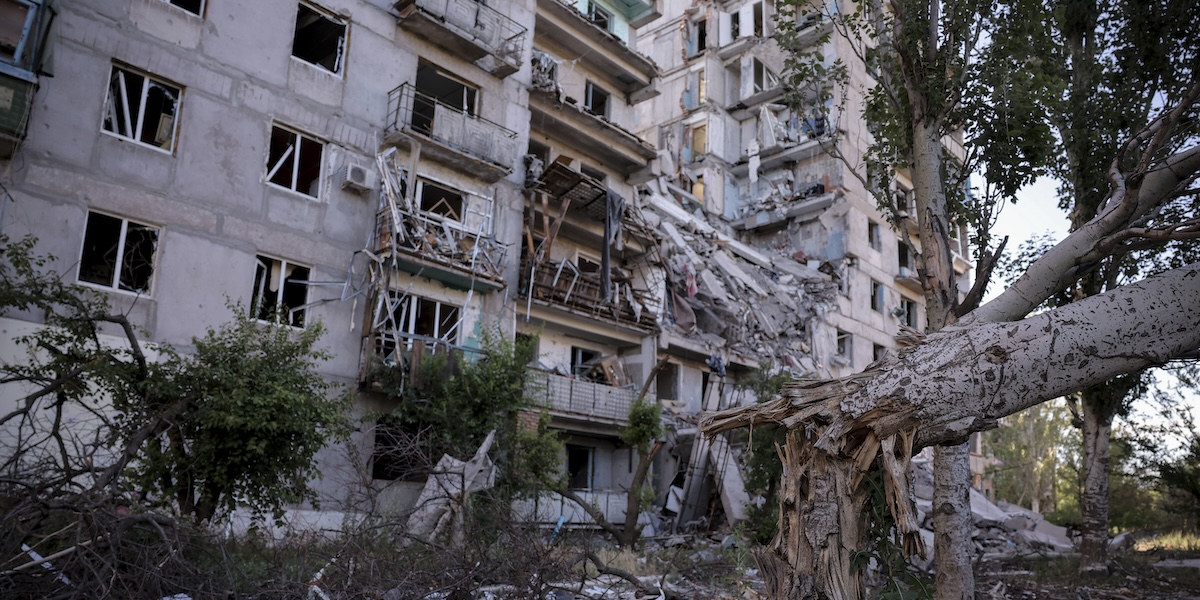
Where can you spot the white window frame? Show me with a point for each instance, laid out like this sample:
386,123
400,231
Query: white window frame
293,153
138,120
590,88
878,292
115,283
409,316
32,9
759,70
594,8
295,313
910,307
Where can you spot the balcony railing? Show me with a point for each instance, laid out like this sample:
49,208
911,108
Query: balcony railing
580,398
562,284
548,507
482,30
413,112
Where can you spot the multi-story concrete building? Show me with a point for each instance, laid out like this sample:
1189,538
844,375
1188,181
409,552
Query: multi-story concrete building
615,177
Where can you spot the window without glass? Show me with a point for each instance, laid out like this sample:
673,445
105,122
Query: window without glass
320,38
141,108
874,235
764,79
580,463
401,451
294,161
118,253
280,291
440,200
876,296
904,259
878,352
600,17
581,360
419,317
843,344
596,100
433,88
195,7
698,37
909,308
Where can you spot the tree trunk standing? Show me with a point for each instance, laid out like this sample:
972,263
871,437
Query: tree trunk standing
952,523
1093,499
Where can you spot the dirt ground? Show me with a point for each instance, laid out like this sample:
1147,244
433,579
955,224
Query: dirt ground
1132,576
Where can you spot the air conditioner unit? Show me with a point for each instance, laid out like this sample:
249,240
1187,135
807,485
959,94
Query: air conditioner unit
357,178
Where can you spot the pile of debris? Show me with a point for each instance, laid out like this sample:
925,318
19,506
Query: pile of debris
1002,530
734,299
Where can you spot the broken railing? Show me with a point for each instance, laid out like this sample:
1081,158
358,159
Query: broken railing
562,283
433,238
412,111
573,397
548,507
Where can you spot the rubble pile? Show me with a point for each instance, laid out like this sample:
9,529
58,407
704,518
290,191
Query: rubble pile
730,297
1002,530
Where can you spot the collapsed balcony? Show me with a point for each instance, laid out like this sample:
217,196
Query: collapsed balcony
437,232
467,28
450,135
562,285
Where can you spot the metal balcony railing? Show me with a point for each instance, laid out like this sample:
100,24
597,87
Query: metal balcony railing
412,111
580,398
440,240
483,26
564,285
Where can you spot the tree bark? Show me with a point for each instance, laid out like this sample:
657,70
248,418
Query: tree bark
959,380
953,523
1093,500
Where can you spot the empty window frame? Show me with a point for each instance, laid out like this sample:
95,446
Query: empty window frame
903,200
877,352
599,17
141,108
876,296
904,259
844,344
440,200
695,142
280,291
18,19
909,312
595,100
760,18
698,37
118,253
427,319
874,235
582,361
320,38
196,7
580,466
294,161
764,79
436,87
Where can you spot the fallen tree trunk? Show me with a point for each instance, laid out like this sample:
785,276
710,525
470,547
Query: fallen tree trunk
958,380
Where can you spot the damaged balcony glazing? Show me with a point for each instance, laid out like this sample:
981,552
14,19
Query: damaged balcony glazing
457,137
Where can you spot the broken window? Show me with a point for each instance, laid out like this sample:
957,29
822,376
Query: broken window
874,235
909,310
599,17
580,466
582,361
764,79
593,172
320,38
667,382
844,349
595,100
436,87
141,108
118,253
294,161
417,317
280,291
17,20
876,296
441,200
695,143
196,7
587,265
695,91
697,37
878,352
760,18
903,197
904,259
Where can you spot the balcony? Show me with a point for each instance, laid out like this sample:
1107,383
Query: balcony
547,508
591,134
565,27
561,286
440,249
580,399
449,135
467,28
908,279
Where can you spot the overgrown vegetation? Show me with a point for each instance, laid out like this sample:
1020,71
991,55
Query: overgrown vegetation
763,467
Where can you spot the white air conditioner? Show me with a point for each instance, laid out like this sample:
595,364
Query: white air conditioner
357,178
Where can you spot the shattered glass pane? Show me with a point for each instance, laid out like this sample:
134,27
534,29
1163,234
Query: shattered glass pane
319,39
137,259
98,262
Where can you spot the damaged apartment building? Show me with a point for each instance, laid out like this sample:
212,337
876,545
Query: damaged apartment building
616,177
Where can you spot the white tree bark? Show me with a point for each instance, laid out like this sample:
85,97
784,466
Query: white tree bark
953,523
1093,500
